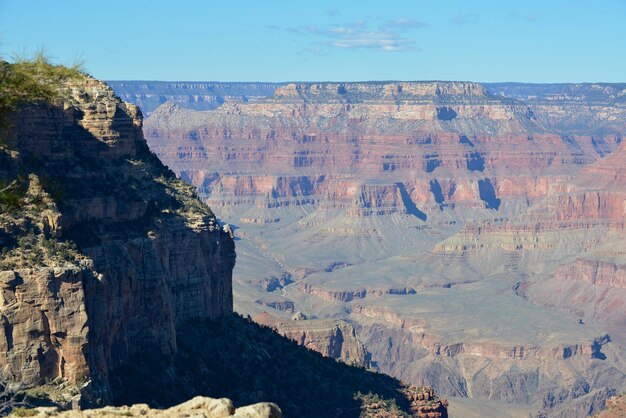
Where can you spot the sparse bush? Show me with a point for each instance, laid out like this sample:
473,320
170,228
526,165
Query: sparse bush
27,242
39,394
11,194
30,79
20,411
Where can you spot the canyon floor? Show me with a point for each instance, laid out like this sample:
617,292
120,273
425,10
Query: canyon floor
462,236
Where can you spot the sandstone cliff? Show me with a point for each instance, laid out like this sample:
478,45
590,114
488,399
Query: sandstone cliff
333,338
104,252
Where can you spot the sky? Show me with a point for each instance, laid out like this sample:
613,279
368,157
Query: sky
280,40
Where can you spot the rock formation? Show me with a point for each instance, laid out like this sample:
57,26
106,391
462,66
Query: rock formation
199,96
116,282
333,338
615,408
200,407
439,219
148,256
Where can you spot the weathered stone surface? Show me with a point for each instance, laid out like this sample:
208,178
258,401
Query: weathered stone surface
150,256
333,338
615,408
198,407
44,332
259,410
424,403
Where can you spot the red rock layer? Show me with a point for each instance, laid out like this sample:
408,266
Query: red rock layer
374,148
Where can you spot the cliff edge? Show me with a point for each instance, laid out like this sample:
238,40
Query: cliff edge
104,251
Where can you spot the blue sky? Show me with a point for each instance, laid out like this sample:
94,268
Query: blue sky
276,40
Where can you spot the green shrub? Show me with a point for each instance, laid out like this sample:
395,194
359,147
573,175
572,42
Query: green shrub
20,411
39,393
11,194
30,79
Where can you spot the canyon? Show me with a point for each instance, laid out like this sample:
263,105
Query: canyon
472,236
116,281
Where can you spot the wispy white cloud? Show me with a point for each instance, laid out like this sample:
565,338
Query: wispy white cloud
389,36
320,52
404,24
465,19
520,16
375,40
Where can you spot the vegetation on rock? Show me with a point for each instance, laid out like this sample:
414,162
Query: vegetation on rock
31,79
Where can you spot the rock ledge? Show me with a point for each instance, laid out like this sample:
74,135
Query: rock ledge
198,407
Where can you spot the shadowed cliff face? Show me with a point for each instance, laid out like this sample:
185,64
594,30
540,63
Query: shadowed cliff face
105,253
437,218
333,338
250,362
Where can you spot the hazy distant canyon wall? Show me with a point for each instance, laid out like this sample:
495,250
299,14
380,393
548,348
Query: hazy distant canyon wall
462,229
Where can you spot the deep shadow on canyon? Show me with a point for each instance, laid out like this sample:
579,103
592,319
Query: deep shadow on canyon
249,363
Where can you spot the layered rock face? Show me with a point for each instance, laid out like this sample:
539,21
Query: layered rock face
333,338
371,148
572,241
149,255
436,218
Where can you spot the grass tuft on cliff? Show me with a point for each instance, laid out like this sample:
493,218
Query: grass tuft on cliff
31,79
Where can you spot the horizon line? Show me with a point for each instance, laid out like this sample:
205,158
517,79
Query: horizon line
363,81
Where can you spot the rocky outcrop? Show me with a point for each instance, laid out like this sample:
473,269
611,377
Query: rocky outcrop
425,403
116,284
350,295
200,407
615,408
421,401
44,324
333,338
106,253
